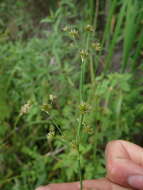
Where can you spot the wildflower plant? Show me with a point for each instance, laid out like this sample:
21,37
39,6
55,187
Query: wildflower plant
84,108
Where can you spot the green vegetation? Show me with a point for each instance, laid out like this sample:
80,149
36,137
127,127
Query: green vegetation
70,81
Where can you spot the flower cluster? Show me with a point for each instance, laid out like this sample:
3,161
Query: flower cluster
96,46
25,108
74,33
83,55
51,135
84,108
89,28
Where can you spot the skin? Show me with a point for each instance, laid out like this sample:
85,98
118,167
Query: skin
123,159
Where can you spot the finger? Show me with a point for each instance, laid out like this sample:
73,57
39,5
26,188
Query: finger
125,160
61,186
100,184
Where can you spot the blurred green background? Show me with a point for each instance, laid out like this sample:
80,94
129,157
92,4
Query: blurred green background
39,86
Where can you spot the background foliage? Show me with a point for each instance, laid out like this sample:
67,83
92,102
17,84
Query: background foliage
38,58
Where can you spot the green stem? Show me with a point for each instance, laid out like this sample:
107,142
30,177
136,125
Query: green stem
82,80
96,13
78,141
79,130
80,173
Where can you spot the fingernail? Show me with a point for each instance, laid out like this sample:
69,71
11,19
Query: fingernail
136,181
42,188
39,188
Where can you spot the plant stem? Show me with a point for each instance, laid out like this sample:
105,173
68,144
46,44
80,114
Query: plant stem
80,173
79,130
78,141
82,81
96,13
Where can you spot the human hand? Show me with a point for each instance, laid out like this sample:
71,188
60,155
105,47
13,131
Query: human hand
124,164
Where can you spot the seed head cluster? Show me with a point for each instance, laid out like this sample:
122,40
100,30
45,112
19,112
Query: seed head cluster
25,108
74,33
96,46
89,28
83,55
84,108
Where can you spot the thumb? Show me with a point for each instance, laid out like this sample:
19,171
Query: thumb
136,181
125,164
